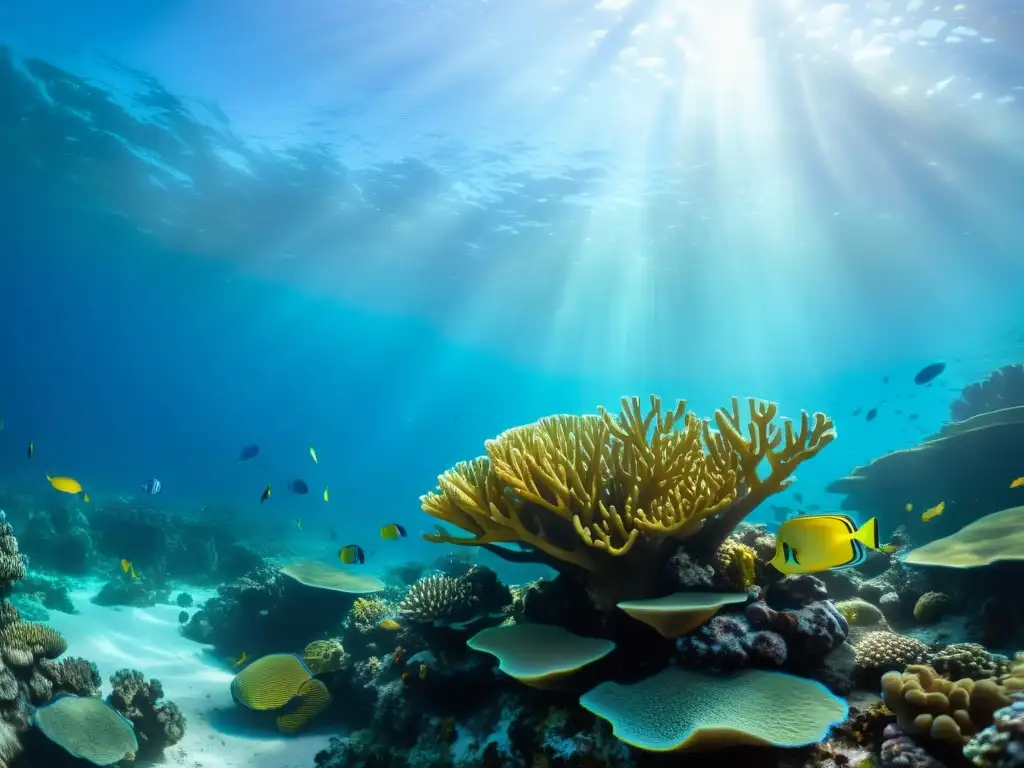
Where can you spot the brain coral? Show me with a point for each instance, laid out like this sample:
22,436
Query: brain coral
679,709
929,705
879,651
931,606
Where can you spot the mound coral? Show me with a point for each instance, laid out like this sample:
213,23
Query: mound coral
367,612
932,706
860,613
736,564
931,606
971,660
599,494
678,710
325,656
881,651
157,725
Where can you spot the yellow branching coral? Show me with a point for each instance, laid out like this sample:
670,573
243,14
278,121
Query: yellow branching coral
583,489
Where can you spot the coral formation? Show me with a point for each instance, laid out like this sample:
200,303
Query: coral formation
72,675
970,660
157,724
882,651
931,606
539,654
87,728
929,705
860,613
601,495
435,599
325,656
367,612
682,612
1000,745
1003,388
682,710
994,538
736,564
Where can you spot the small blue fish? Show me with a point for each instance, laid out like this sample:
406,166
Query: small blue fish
248,453
152,487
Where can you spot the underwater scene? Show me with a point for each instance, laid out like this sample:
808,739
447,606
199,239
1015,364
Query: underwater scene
540,384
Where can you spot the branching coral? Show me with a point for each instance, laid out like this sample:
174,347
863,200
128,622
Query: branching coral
72,675
434,599
157,725
582,491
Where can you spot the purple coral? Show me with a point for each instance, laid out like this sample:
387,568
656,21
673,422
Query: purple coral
900,751
729,642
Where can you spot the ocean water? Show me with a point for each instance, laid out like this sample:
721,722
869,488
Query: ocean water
392,230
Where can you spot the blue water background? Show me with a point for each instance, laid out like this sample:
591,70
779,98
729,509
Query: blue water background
375,309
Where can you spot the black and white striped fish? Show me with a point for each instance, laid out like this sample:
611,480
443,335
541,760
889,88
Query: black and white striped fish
152,487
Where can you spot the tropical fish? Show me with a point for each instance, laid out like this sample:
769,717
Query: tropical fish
152,486
327,494
818,543
909,507
888,549
933,512
929,373
423,672
390,625
298,486
85,497
870,415
312,453
65,484
266,494
351,554
241,659
127,567
392,531
249,452
298,523
1017,483
31,449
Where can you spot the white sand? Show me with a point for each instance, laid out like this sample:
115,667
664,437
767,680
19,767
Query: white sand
148,639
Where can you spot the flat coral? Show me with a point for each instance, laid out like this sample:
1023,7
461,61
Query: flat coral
993,538
539,654
677,710
585,491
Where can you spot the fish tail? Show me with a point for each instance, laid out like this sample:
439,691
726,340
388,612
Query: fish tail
867,534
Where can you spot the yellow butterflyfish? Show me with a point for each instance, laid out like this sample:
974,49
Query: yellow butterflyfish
1017,483
390,625
241,659
930,514
312,453
909,507
327,493
85,497
65,484
815,543
127,567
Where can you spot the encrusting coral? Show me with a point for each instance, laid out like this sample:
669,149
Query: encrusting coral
599,494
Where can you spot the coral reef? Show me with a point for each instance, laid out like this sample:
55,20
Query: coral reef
157,724
931,606
607,497
1000,745
1004,388
881,651
455,601
969,660
264,612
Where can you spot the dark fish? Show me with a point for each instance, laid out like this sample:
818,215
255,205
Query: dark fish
249,452
266,494
31,449
929,373
870,416
856,411
913,417
183,617
885,379
333,535
799,497
299,487
152,487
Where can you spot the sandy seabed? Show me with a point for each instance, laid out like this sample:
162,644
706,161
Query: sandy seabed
148,639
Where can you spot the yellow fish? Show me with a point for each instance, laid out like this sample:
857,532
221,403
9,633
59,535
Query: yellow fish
241,659
909,507
934,512
127,567
312,453
815,543
888,549
1017,483
298,523
390,625
423,672
85,497
327,495
65,484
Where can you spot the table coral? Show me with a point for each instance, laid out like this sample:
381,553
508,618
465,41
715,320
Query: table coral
599,494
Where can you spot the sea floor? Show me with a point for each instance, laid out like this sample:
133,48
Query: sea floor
148,639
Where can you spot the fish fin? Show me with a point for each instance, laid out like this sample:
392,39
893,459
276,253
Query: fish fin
867,534
844,519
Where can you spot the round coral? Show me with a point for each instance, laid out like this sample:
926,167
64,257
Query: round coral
736,564
881,651
961,660
931,607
